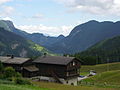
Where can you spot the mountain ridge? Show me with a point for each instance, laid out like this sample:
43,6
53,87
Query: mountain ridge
85,35
38,38
11,43
80,38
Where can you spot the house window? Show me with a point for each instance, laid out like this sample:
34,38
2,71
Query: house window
73,63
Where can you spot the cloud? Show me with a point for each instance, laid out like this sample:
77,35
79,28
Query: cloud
100,7
49,30
6,11
7,18
4,1
38,16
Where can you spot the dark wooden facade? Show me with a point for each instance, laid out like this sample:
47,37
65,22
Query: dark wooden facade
20,65
60,68
49,66
73,68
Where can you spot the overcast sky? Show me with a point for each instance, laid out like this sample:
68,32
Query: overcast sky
55,17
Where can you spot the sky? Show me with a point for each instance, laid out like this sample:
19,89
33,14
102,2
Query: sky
55,17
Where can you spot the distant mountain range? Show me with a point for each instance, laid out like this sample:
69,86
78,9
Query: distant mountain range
81,37
12,43
38,38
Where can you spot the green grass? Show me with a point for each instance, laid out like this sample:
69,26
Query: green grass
84,73
108,75
37,47
101,67
55,86
20,87
50,86
110,78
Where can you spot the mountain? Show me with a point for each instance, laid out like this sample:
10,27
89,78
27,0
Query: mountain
81,37
45,41
35,37
11,43
85,35
104,51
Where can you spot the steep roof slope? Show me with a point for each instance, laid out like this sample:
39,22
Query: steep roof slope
59,60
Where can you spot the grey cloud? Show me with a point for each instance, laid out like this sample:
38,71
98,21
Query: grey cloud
93,6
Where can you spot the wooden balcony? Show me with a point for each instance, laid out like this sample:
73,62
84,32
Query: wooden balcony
73,73
69,68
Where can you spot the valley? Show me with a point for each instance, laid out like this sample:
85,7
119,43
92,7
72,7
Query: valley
59,44
93,52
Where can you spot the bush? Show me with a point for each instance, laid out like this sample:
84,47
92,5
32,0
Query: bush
9,72
18,74
22,81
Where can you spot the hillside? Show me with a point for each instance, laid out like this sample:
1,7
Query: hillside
11,43
101,67
109,77
85,35
105,51
43,40
38,38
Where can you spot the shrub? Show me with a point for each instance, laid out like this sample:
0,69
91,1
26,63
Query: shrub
22,81
18,74
9,72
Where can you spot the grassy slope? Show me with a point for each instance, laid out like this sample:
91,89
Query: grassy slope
101,67
8,40
20,87
110,77
49,86
108,74
54,86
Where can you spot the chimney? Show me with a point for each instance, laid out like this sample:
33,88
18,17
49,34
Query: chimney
12,56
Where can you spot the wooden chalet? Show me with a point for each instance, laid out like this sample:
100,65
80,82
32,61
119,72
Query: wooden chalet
62,69
21,65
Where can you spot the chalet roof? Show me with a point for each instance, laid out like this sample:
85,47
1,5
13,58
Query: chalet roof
59,60
31,68
15,60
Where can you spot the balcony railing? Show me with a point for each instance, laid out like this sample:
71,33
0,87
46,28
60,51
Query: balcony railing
73,67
